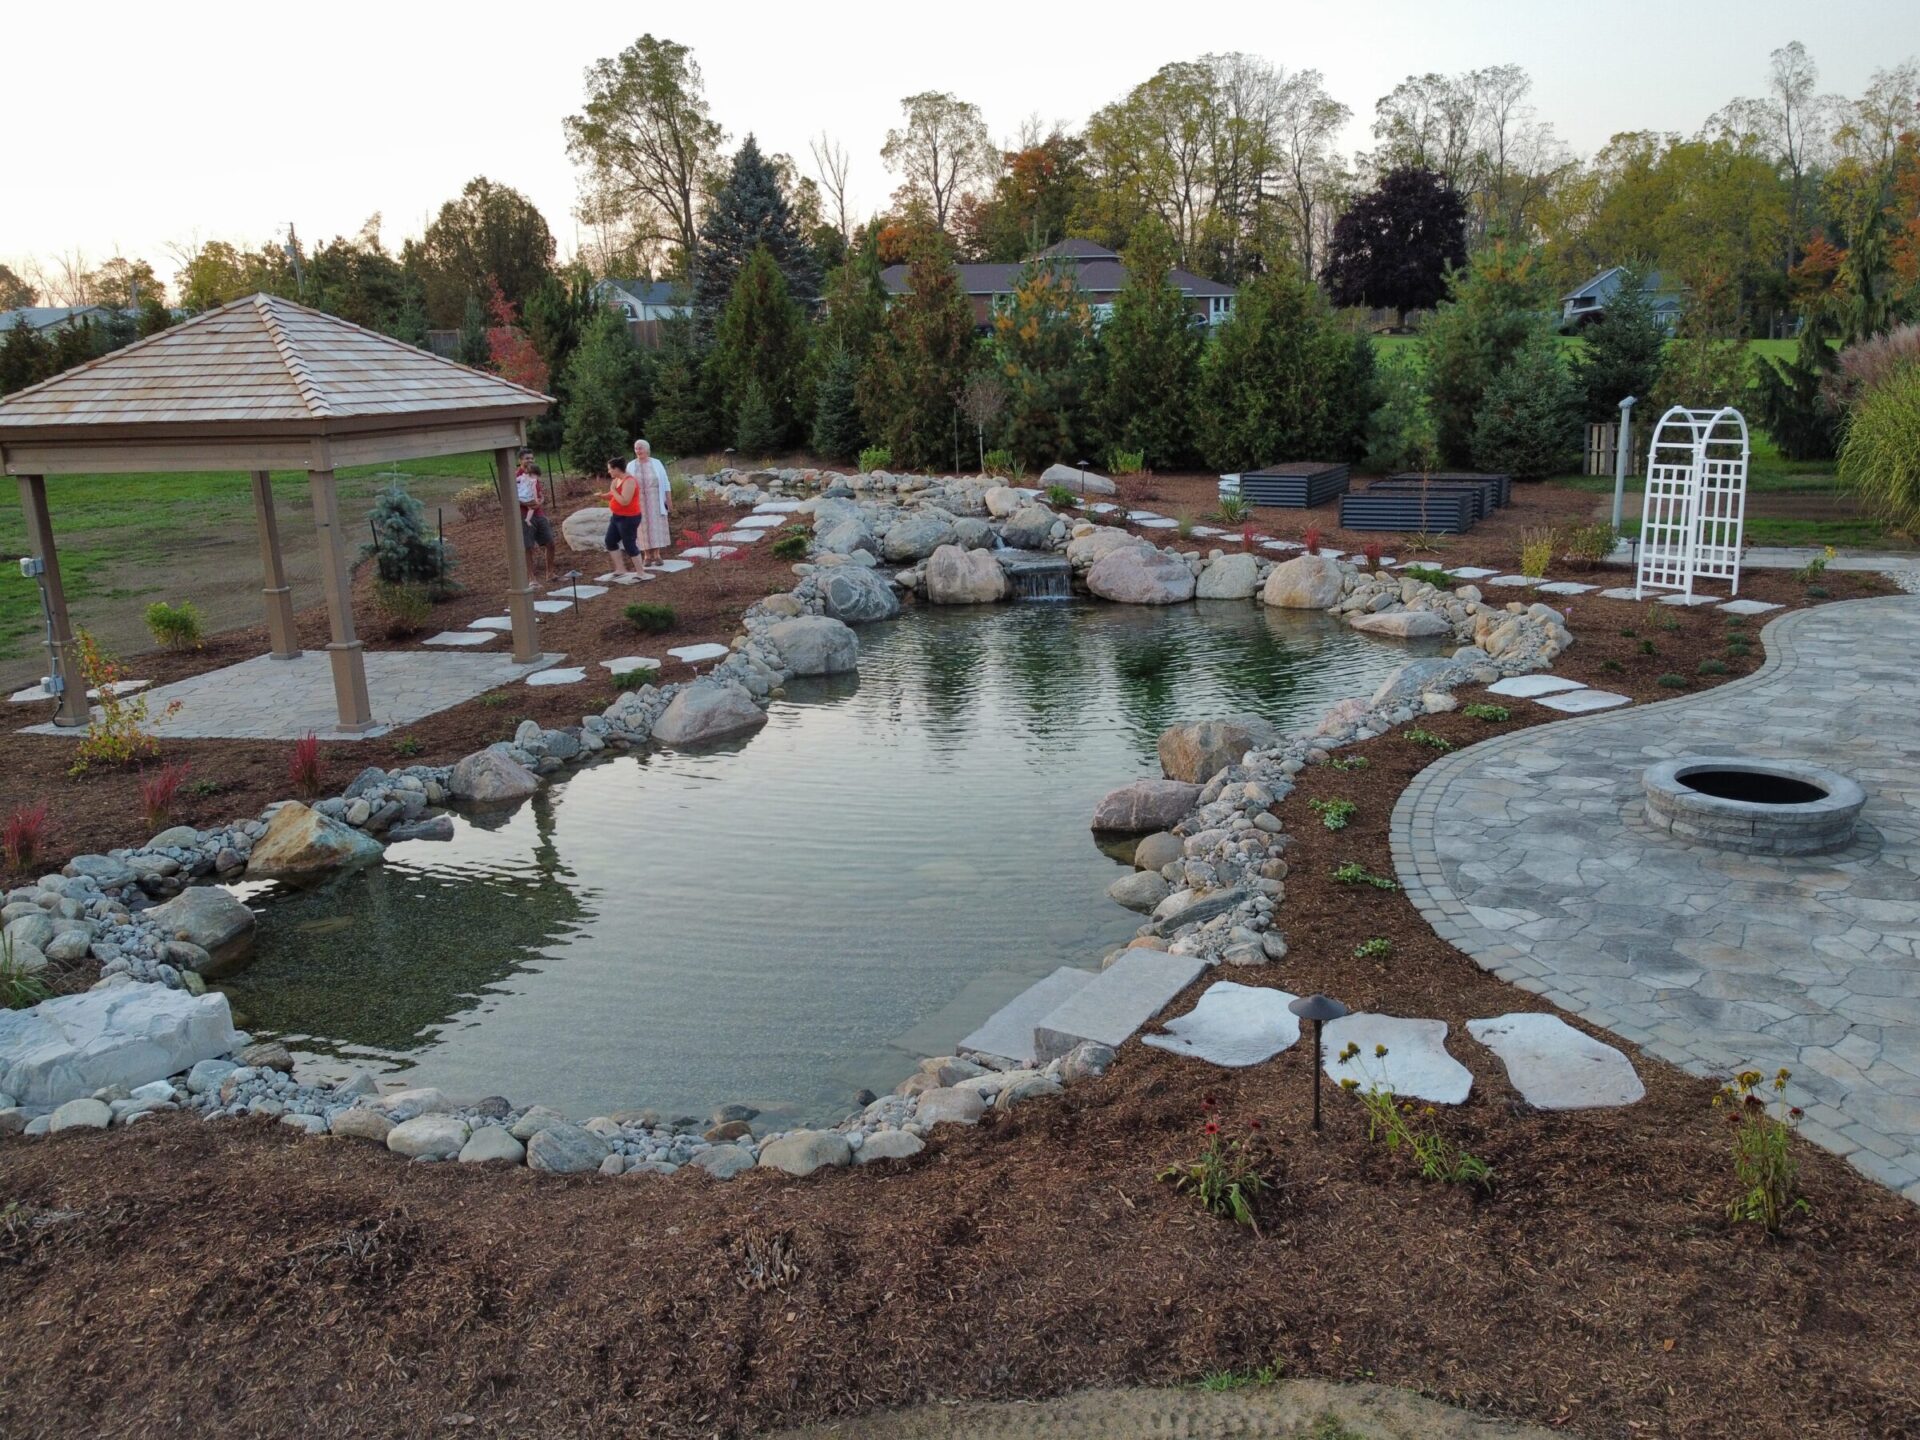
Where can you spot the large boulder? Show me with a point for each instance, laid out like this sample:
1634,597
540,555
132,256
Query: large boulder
211,918
587,529
1196,753
708,710
1091,546
801,1152
487,777
429,1137
1306,582
843,538
1003,500
1030,528
1230,577
1141,576
120,1035
964,577
1403,624
1141,890
303,844
858,596
566,1149
916,536
1145,805
814,645
1081,482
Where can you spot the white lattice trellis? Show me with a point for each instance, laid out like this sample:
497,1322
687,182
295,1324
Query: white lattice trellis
1692,524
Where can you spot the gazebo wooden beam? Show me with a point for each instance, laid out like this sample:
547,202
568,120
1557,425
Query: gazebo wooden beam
273,571
345,651
59,641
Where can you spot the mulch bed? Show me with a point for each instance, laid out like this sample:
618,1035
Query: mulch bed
181,1276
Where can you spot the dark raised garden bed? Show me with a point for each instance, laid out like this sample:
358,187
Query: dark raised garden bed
1438,511
1483,492
1502,484
1297,485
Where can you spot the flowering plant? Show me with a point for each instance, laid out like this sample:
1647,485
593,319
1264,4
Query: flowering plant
1225,1177
116,729
1763,1158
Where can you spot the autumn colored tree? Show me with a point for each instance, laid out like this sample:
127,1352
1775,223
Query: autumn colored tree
1042,346
939,153
1393,247
510,350
920,360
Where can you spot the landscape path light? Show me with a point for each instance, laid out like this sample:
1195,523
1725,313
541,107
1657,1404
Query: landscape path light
1319,1009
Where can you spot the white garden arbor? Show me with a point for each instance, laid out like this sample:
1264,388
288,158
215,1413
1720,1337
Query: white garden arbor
1693,515
259,385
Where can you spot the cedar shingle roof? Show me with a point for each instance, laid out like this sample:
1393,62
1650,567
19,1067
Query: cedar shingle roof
263,362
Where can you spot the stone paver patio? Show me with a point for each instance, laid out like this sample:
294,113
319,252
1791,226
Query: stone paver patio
1531,853
269,699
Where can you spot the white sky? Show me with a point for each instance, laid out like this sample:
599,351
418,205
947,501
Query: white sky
235,118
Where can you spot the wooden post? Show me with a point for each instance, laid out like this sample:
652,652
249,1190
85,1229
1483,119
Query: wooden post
273,569
526,621
345,651
60,651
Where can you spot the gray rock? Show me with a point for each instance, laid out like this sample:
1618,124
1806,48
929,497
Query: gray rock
487,777
814,645
407,1104
1141,576
105,871
360,1123
175,837
1145,805
1090,546
67,947
723,1162
1086,1061
211,918
1030,528
964,577
802,1152
83,1114
565,1149
27,959
536,1119
1142,890
708,710
1306,582
1033,1086
972,534
303,844
35,929
430,1137
492,1142
1081,482
858,596
916,536
889,1145
1231,577
438,828
951,1105
1196,753
121,1035
268,1055
1161,848
312,1124
1403,624
842,538
207,1075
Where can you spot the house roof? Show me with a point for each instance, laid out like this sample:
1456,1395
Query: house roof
1099,271
1607,283
650,292
46,317
1071,249
263,365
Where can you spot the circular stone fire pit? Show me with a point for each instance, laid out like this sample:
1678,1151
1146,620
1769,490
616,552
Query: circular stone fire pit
1761,807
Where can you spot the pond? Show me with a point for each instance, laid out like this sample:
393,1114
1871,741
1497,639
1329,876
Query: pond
793,918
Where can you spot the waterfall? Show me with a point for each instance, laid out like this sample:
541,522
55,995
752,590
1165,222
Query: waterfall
1041,580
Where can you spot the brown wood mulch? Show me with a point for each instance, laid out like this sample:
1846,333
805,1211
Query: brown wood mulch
181,1276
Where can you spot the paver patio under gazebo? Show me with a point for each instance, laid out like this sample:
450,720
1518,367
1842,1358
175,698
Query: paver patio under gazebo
259,385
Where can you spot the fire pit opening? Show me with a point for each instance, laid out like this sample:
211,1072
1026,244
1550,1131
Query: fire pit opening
1753,787
1760,807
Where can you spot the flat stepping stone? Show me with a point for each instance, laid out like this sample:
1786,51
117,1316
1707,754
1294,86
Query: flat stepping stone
1160,524
703,552
1116,1002
1689,600
1526,687
1565,587
579,592
1620,592
1281,545
1232,1025
757,521
462,638
1209,531
1748,607
777,507
1582,702
628,663
622,578
1505,581
1556,1067
565,675
1471,572
1138,515
491,622
742,537
1327,554
671,567
1008,1032
1105,507
551,607
694,654
1416,1064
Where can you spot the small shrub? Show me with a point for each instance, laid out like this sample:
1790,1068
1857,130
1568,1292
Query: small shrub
158,793
23,838
1711,667
1350,762
791,546
495,700
1628,631
18,988
1739,648
409,746
1588,545
1536,552
1399,1125
403,609
1378,948
1234,509
1764,1164
635,678
875,457
1647,647
1815,567
1126,462
116,728
201,789
1060,497
402,550
998,462
476,500
1225,1177
1613,667
1373,550
1818,592
1671,681
1486,712
649,619
1880,456
1183,527
1354,873
1429,739
175,626
1432,575
1333,814
303,766
1310,539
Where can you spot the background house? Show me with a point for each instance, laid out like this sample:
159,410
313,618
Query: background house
644,299
1101,273
49,317
1589,302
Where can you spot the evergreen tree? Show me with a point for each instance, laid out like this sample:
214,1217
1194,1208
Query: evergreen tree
1273,383
1470,340
402,549
755,430
682,419
1529,423
1152,348
760,343
610,382
749,212
1400,429
921,359
837,432
25,358
1793,403
1042,344
473,335
1622,352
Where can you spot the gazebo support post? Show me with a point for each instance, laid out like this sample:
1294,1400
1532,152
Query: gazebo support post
526,623
273,569
345,651
60,656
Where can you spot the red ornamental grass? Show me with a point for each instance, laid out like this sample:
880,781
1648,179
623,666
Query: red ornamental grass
1373,550
1246,535
24,836
1312,540
303,765
157,793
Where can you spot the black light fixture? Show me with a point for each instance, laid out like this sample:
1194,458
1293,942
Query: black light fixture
1084,466
1319,1009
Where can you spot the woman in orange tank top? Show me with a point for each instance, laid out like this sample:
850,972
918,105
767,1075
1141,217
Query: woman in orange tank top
623,530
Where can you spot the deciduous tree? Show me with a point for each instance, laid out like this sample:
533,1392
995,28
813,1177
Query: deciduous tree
489,230
15,292
1394,246
941,150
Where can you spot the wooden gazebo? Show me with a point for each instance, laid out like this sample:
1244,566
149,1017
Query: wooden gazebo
259,385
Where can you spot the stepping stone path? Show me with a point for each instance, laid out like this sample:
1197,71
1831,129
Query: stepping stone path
742,537
1161,523
461,637
1008,1032
1103,508
757,521
628,663
579,592
1689,600
1281,545
1416,1063
1527,687
567,675
1565,587
1620,592
1139,515
1116,1002
491,622
1208,531
620,577
694,654
671,567
552,607
777,507
1583,702
1232,1025
702,552
1506,582
1473,572
1556,1067
1747,607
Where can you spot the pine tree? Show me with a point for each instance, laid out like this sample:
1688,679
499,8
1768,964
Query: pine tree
1042,342
1274,383
837,432
1793,405
1152,358
402,550
750,211
1472,338
473,335
760,342
1622,355
755,430
921,359
610,381
682,419
25,358
1529,423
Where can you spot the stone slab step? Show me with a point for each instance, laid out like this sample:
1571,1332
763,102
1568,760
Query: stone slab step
1008,1032
1116,1002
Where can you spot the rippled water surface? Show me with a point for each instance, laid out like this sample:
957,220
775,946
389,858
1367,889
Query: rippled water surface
789,919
